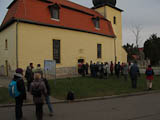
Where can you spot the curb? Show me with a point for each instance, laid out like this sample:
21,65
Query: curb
91,99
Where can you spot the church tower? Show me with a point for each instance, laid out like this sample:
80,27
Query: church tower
108,9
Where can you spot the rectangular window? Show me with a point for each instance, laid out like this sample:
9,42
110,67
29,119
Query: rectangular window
99,50
96,22
55,13
6,44
114,20
56,50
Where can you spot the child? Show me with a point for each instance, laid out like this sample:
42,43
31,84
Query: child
149,76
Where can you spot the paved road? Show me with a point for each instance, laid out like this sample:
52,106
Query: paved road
145,107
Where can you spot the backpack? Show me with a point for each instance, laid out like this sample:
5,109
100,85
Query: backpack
36,91
149,72
12,88
70,96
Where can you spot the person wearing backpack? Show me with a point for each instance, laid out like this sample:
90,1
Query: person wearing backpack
39,91
47,97
18,92
149,76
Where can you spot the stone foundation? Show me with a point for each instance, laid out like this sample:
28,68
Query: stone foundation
64,72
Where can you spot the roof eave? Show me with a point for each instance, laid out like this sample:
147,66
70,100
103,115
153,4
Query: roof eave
63,27
49,25
11,21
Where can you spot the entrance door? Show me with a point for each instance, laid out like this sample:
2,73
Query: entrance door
80,60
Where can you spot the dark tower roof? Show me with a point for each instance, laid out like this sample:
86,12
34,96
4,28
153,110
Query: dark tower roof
102,2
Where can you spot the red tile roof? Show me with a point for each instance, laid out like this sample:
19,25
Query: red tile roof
77,17
141,49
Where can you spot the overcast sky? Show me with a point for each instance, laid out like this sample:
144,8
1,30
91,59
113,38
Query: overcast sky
136,12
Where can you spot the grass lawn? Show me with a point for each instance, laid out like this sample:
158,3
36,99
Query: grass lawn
85,87
4,96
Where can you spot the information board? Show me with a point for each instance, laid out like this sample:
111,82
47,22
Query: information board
50,67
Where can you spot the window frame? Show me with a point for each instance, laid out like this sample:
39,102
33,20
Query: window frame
57,54
53,8
96,22
6,44
114,20
99,51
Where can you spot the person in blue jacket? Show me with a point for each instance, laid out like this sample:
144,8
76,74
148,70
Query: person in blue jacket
19,92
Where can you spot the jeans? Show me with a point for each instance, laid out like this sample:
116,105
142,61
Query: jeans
18,107
39,111
49,104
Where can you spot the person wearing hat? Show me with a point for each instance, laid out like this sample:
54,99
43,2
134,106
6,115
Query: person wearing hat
18,77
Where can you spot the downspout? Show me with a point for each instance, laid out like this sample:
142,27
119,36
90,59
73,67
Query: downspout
115,53
17,44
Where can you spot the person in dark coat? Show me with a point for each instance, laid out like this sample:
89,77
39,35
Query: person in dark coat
21,88
101,70
111,68
86,68
29,75
134,72
80,68
94,70
91,68
117,69
83,69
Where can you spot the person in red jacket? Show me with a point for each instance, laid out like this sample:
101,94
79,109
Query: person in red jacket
149,76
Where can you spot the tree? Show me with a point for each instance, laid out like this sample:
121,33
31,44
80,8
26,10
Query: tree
131,50
136,30
151,49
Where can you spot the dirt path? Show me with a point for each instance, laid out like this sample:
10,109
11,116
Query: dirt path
4,81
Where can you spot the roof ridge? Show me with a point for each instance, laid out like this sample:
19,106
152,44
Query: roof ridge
77,4
85,7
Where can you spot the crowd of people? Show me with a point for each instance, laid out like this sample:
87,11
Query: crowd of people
39,88
104,70
100,69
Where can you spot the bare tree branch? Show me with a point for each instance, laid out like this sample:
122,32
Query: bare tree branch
136,30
